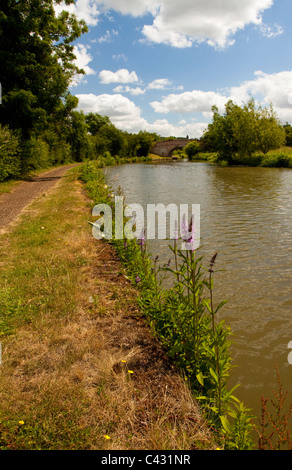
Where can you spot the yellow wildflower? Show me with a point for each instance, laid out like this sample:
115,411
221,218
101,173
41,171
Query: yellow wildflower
21,422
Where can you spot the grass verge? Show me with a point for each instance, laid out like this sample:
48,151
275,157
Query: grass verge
80,368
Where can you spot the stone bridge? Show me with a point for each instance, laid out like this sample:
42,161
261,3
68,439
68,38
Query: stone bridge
165,148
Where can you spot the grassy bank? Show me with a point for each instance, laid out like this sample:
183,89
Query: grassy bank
280,158
80,368
183,318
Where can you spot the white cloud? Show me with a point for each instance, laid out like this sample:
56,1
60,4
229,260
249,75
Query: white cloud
182,23
268,88
107,37
165,129
83,58
121,111
126,89
124,114
159,84
270,32
265,88
86,10
189,102
121,76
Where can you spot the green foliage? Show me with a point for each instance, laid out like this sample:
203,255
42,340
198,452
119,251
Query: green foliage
37,68
242,131
9,154
95,121
110,139
192,149
184,319
36,154
288,131
144,142
278,160
36,56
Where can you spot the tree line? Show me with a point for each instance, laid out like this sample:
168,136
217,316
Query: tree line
40,124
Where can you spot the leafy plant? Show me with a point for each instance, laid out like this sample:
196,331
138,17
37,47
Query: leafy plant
9,154
274,433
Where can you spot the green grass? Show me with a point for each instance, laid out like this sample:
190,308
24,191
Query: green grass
279,158
64,318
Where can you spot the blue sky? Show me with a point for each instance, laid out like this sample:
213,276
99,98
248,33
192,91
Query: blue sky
159,65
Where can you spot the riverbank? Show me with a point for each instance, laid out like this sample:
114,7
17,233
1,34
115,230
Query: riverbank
80,368
239,203
280,158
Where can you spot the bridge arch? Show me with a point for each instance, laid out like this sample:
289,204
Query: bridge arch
165,148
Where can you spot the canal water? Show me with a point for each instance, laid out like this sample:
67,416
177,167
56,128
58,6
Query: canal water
246,217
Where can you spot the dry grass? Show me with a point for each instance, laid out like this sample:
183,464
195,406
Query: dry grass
71,332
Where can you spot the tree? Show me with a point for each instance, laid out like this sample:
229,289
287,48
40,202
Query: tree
288,131
110,139
220,135
9,154
271,134
36,57
95,121
78,136
192,149
243,131
144,142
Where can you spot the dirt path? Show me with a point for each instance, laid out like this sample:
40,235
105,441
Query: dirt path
12,204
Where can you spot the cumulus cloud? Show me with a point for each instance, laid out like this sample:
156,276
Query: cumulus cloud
265,88
83,58
159,84
165,129
120,76
124,114
117,107
180,24
189,102
127,89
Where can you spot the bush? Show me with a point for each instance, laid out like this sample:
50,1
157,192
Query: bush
280,160
192,149
36,154
9,154
60,150
254,160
